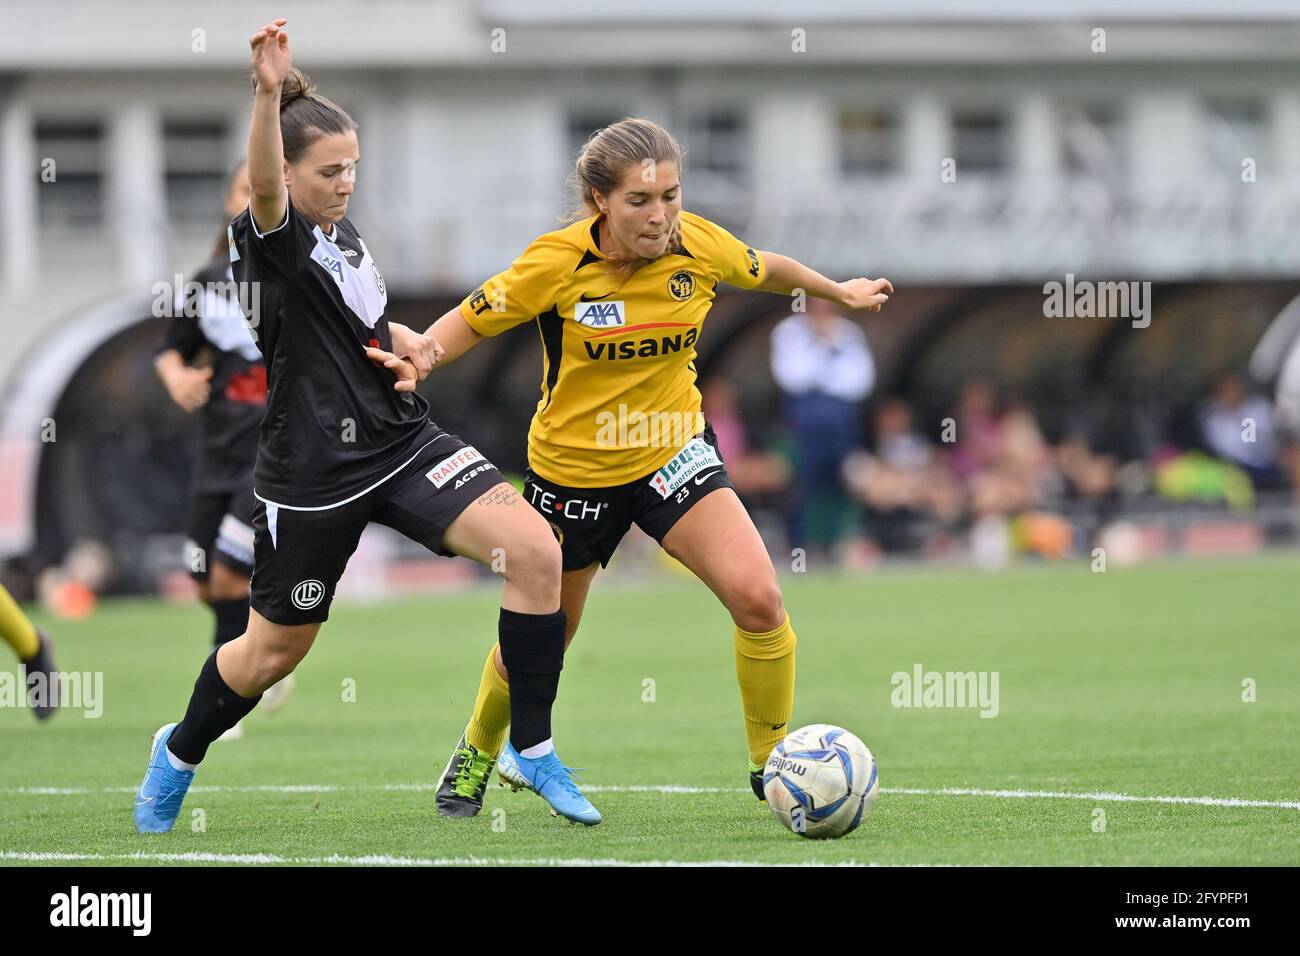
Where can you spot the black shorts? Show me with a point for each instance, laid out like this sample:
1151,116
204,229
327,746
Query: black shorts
590,522
220,528
301,553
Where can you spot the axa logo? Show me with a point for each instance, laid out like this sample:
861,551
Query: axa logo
307,594
641,348
333,265
600,315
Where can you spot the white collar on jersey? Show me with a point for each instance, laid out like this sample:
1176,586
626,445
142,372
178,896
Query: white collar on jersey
362,287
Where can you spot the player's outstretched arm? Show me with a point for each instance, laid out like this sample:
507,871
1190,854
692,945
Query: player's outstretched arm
454,335
271,64
784,275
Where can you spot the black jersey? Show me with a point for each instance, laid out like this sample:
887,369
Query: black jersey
207,315
334,424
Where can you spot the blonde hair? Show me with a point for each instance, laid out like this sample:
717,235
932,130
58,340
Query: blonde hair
604,161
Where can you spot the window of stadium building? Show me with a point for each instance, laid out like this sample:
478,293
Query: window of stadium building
869,141
1091,138
980,140
71,155
195,168
717,141
1235,129
584,121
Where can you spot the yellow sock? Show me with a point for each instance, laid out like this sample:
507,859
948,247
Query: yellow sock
18,632
491,720
765,669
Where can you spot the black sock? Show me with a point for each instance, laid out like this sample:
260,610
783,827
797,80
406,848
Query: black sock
232,619
214,709
532,648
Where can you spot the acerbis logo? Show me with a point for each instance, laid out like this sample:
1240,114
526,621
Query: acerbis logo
472,473
681,286
307,594
600,315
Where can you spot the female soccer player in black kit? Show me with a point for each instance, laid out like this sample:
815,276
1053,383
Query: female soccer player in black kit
341,445
231,394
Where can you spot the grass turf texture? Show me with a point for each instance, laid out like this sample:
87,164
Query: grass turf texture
1128,681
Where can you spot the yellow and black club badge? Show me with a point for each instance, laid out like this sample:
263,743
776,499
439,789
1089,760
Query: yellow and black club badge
681,285
559,534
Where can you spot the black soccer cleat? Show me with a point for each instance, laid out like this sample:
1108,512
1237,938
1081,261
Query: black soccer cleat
41,678
756,781
464,780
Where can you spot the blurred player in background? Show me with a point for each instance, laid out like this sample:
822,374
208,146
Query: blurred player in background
619,297
35,651
231,392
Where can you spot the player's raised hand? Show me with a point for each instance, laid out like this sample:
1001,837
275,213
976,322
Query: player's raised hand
868,294
271,55
404,369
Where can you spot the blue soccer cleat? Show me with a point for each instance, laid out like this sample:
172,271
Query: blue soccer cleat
550,780
158,801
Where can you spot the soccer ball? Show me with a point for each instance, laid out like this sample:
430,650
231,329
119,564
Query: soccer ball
821,781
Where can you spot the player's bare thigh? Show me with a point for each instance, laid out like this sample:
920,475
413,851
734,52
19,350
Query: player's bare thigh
717,540
500,531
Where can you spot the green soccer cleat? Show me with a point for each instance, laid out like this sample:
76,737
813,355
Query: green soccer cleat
464,780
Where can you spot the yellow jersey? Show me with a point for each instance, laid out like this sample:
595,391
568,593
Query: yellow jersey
618,394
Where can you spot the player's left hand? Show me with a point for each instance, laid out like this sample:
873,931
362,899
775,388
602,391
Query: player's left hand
404,369
868,294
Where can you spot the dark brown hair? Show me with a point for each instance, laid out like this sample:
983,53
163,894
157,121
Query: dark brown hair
305,115
604,161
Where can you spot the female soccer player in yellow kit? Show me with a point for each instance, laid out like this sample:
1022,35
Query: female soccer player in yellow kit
619,297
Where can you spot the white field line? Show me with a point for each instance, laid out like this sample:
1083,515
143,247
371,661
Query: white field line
1100,796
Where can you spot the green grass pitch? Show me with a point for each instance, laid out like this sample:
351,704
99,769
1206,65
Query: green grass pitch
1128,682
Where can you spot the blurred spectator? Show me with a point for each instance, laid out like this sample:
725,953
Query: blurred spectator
755,473
823,366
906,485
1238,428
979,433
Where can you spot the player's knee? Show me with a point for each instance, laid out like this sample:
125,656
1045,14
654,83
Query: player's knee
757,606
275,665
535,563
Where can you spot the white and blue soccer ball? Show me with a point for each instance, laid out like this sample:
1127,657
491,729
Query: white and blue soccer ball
821,781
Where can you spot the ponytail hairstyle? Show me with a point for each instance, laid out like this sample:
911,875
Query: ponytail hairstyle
305,115
605,160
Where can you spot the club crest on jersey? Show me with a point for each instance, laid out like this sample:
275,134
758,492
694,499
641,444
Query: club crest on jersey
681,285
379,278
600,315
